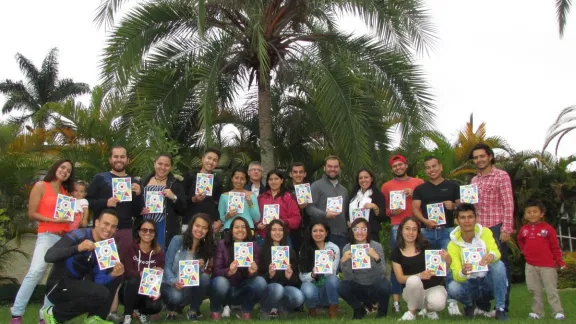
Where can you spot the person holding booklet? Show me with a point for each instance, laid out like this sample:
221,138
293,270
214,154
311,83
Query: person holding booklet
318,266
420,272
238,202
144,252
367,201
185,281
235,273
476,265
279,266
255,175
277,203
165,200
42,206
298,176
364,272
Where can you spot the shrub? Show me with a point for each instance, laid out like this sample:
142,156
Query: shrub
567,277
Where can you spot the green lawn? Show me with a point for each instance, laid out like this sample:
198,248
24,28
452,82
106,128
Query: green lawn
519,311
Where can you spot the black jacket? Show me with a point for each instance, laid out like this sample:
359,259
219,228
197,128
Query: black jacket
209,205
280,276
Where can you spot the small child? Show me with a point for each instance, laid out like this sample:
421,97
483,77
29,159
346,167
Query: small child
539,243
81,212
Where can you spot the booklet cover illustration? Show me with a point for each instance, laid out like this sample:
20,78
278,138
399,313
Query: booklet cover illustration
436,213
189,272
469,194
360,257
155,201
397,200
150,282
122,188
280,257
65,208
271,212
303,193
322,262
106,253
474,256
244,253
204,184
359,213
236,201
334,204
435,263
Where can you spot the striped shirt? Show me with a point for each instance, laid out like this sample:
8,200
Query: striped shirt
156,217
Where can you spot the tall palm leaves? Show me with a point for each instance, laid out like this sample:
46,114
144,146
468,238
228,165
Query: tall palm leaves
562,10
203,52
41,87
564,124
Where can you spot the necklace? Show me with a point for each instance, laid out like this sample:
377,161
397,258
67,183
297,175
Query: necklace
160,180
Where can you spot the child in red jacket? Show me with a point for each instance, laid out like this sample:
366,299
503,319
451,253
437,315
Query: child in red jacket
539,243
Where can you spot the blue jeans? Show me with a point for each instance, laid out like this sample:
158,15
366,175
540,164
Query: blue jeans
193,296
492,286
246,294
321,296
438,238
503,247
355,294
278,296
396,287
44,241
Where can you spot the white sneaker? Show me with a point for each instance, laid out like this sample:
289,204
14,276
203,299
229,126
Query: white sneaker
479,312
533,316
422,312
397,307
408,316
142,318
453,309
226,312
559,316
127,319
433,316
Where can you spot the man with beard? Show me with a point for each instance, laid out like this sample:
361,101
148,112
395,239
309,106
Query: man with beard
76,285
401,182
329,187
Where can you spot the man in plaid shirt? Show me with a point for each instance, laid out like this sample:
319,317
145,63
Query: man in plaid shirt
495,206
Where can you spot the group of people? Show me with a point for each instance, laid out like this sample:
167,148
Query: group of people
196,226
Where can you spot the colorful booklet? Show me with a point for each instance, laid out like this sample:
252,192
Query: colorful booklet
436,213
334,204
469,194
359,213
303,193
474,256
106,253
150,282
189,273
271,212
244,253
204,183
155,202
360,257
397,200
122,188
322,262
65,208
280,257
435,263
236,201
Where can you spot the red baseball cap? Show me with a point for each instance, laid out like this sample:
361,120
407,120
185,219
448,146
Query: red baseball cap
397,157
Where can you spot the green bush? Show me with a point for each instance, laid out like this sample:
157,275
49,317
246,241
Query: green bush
567,277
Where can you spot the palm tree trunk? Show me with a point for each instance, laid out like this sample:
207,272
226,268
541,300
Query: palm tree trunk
265,123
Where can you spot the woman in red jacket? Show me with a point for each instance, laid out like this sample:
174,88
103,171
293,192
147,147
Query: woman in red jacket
277,193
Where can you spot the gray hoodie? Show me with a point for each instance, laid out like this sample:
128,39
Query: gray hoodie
365,277
321,190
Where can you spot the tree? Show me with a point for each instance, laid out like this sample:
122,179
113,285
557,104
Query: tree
563,125
562,10
41,87
208,50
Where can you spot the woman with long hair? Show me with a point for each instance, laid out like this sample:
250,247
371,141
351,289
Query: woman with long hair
319,289
41,206
231,284
364,286
144,252
195,243
282,293
365,194
422,290
251,213
277,193
174,203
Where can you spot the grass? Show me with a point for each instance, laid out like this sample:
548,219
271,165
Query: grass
519,309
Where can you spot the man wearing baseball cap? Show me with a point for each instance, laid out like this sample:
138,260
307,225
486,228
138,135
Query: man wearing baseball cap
404,184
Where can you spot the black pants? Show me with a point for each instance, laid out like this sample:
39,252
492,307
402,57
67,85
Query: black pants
72,298
356,294
296,237
133,301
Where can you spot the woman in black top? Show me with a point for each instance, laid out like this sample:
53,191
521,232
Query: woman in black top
365,194
422,291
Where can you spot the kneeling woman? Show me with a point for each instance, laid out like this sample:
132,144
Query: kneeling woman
319,289
364,286
422,290
195,243
143,253
281,292
233,285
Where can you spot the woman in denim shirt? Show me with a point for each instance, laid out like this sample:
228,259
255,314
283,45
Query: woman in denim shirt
196,243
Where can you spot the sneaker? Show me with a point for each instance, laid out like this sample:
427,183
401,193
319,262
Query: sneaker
481,312
245,316
559,317
453,309
142,318
396,307
274,313
114,317
433,316
501,315
408,316
16,320
127,319
199,314
216,316
226,311
170,317
48,316
359,313
97,320
192,316
469,311
533,316
422,312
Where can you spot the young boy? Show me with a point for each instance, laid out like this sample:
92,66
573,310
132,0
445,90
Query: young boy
81,212
539,243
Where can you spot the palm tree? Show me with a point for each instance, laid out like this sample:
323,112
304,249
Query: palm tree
208,50
563,125
41,87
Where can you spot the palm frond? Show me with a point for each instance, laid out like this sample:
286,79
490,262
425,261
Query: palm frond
562,10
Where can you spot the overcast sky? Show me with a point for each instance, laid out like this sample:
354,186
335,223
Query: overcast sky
501,60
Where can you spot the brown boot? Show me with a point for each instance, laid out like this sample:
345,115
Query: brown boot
333,311
312,312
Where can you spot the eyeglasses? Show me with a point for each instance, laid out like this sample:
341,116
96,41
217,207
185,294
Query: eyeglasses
359,230
257,170
147,230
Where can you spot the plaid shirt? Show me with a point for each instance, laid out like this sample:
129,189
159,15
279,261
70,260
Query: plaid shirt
495,199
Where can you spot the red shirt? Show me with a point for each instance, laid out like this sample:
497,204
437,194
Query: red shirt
46,208
289,211
397,184
539,243
495,199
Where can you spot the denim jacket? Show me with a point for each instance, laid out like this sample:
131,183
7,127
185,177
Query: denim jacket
174,255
